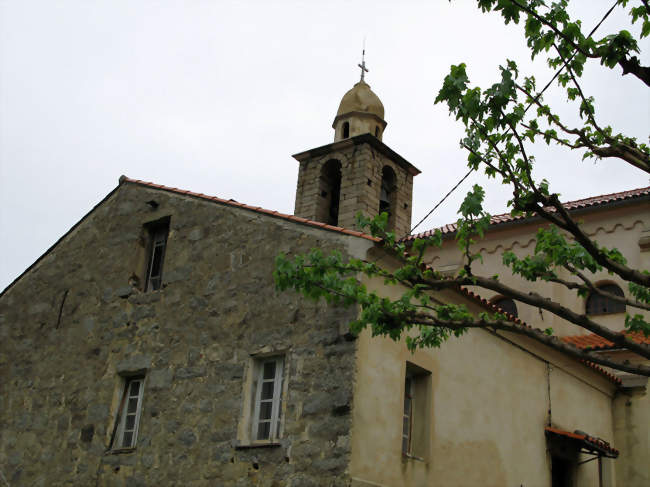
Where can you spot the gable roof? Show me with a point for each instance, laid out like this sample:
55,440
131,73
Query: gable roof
593,202
214,199
257,209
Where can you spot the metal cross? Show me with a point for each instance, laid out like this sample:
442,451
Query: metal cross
364,70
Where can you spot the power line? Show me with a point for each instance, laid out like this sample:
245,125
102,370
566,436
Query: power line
557,73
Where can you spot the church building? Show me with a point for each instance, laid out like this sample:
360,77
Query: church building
149,347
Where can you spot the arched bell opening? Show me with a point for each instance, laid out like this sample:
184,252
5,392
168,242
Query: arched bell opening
330,192
388,195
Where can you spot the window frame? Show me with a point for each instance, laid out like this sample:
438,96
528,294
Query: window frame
416,423
602,305
407,416
117,442
275,420
158,236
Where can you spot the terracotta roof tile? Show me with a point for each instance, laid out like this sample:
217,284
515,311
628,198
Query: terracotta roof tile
256,209
588,442
493,307
596,342
594,201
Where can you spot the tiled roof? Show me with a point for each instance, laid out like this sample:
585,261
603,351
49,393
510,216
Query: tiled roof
596,342
591,443
592,202
257,209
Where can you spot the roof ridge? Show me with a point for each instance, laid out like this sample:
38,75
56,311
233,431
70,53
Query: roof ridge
569,205
256,209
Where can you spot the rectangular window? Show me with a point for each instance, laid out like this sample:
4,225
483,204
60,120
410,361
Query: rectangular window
267,398
407,422
158,232
128,418
417,412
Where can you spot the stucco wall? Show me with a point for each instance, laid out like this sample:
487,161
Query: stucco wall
620,228
489,406
194,338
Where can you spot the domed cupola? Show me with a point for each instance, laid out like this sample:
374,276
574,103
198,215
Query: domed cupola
357,173
360,112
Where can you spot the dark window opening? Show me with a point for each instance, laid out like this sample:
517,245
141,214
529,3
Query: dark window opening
600,305
346,130
158,232
376,131
387,191
561,472
330,181
507,305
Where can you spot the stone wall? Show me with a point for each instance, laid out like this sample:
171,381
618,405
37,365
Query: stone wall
73,325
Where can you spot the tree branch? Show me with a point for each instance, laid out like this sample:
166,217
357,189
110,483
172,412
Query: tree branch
566,222
534,333
629,65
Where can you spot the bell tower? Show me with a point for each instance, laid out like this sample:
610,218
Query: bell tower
357,172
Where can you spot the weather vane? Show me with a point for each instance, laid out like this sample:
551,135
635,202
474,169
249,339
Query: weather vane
364,70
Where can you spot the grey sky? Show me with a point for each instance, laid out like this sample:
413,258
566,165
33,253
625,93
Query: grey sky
215,96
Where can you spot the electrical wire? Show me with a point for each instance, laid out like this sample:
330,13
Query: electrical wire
529,105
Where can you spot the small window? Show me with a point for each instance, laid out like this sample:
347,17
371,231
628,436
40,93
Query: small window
376,131
407,422
600,305
507,305
267,399
346,130
417,411
157,235
128,418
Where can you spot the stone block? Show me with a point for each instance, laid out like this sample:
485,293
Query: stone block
133,363
159,379
183,373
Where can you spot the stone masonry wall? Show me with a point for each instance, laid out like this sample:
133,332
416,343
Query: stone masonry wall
73,324
360,164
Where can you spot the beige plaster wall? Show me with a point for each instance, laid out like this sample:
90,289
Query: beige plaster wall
621,228
489,406
631,420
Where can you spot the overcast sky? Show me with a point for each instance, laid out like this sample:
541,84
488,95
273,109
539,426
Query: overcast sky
215,96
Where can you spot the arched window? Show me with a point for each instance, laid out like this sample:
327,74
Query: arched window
598,304
387,192
507,305
330,191
346,130
388,195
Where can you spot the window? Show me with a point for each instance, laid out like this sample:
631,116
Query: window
416,415
346,130
598,304
126,432
376,131
157,236
267,398
407,423
507,305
